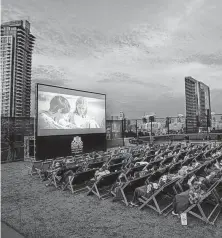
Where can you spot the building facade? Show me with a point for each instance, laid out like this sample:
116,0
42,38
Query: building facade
198,106
16,64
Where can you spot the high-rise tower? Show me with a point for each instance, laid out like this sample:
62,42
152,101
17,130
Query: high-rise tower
16,64
198,107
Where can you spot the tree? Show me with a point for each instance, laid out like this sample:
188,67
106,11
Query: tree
8,138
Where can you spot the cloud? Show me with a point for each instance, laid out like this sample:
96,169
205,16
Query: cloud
138,52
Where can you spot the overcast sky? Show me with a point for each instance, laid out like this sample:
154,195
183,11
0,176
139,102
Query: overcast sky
136,51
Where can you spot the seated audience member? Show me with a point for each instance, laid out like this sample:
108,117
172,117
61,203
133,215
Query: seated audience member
101,172
186,157
65,177
57,171
84,166
122,179
143,172
197,189
48,174
143,191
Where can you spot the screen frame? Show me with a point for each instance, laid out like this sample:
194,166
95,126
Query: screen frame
70,89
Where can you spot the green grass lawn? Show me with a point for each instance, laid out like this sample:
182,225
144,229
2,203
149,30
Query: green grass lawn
39,211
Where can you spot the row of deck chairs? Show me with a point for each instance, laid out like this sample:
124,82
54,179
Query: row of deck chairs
80,179
117,160
102,188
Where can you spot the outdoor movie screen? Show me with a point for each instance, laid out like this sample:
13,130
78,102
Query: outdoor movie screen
63,111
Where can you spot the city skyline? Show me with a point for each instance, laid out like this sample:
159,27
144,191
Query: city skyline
138,53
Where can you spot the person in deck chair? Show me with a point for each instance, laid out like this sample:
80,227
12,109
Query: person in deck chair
53,172
101,172
122,179
197,189
63,175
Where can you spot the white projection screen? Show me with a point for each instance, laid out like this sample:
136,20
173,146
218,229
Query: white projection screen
61,111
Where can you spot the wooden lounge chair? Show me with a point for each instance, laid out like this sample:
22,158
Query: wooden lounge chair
102,187
175,168
129,187
79,181
199,210
161,200
36,165
95,165
44,168
132,171
115,167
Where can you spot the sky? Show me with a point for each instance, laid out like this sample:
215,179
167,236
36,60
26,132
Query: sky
138,52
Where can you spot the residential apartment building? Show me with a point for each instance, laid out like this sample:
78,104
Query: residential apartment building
16,64
198,107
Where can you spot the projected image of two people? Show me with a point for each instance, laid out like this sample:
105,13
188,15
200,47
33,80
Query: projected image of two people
70,112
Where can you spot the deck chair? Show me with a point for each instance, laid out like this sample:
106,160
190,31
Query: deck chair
102,187
69,159
116,161
78,182
200,210
59,159
44,168
175,168
182,155
161,200
36,165
167,160
73,168
128,188
188,161
56,161
154,177
200,157
182,184
156,163
55,179
149,158
131,171
70,165
114,167
135,160
95,165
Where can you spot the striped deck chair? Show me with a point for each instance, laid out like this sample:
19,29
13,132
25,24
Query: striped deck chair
200,211
36,165
102,187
